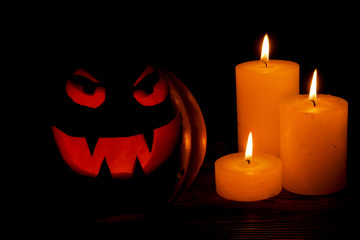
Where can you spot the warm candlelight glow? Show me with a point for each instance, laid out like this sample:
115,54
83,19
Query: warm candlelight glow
249,149
265,50
254,179
312,94
259,88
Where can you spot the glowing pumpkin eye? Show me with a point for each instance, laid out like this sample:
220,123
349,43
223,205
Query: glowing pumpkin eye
85,90
151,89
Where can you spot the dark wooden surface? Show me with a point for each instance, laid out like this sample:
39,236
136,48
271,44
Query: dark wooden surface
200,213
287,215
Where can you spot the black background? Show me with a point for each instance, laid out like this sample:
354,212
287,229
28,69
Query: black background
202,47
199,44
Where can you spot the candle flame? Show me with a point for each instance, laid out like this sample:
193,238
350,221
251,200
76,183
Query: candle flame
312,94
249,148
265,50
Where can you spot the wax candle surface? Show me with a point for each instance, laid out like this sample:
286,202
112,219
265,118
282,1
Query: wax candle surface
237,180
259,90
313,144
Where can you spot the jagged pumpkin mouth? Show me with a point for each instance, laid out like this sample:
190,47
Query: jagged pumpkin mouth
119,154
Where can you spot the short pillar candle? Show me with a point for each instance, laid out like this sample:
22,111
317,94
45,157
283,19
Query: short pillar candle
248,177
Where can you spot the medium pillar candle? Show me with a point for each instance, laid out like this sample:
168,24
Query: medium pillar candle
313,144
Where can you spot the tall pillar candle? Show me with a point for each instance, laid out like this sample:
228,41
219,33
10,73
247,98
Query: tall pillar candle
260,86
313,143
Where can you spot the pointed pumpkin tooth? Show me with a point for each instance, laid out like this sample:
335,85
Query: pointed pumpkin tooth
104,172
91,142
149,138
138,170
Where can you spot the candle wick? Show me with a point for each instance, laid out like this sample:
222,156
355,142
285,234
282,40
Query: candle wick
313,101
265,63
248,161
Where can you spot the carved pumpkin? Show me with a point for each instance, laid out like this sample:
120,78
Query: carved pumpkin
128,144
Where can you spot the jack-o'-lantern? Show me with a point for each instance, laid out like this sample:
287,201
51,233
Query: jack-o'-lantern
126,144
